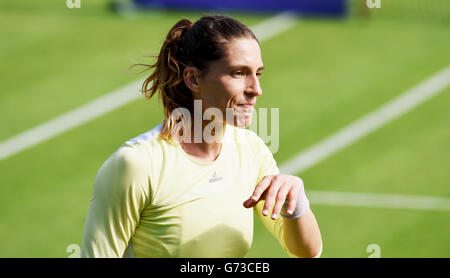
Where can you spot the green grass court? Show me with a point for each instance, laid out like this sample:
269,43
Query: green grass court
321,74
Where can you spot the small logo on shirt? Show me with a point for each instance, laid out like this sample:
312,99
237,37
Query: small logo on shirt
215,178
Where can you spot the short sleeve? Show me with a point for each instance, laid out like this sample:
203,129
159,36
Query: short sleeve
268,165
121,191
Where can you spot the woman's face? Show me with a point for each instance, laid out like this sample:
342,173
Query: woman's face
233,82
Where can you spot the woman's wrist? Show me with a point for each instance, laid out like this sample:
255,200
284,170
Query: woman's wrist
302,206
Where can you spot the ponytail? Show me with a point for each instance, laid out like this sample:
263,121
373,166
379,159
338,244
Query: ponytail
167,77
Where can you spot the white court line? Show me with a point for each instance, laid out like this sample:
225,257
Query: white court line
274,26
104,104
69,120
371,200
360,128
368,123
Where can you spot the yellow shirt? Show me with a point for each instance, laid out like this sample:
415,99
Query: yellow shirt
151,199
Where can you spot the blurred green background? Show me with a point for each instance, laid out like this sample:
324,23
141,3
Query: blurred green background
322,74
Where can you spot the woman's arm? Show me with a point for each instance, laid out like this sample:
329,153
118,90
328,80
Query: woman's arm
299,235
298,226
120,193
302,236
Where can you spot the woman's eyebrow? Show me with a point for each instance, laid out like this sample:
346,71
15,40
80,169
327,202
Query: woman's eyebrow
246,67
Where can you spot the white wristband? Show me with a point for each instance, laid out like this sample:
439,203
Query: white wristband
302,206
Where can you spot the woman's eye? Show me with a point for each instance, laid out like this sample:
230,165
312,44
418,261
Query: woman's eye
241,73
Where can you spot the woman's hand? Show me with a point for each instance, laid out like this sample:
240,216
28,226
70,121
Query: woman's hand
301,231
276,189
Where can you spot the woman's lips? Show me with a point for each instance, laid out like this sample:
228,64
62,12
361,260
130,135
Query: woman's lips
245,108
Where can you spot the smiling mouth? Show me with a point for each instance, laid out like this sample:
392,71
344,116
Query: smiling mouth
245,108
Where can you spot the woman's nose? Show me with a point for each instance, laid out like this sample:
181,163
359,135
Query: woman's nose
254,87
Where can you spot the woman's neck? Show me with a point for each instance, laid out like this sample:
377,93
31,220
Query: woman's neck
207,146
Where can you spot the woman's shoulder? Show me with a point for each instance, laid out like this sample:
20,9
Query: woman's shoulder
253,141
248,136
148,143
249,140
126,169
145,138
125,161
138,153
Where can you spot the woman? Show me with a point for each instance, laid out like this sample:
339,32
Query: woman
172,193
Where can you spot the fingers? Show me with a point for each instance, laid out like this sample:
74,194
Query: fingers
259,192
279,201
261,188
279,194
251,203
292,197
270,198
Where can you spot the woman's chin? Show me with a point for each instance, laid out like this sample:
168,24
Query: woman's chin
243,121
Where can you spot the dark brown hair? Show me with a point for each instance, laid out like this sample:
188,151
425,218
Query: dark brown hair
188,44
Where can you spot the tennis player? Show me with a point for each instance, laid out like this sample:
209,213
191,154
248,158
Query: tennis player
170,192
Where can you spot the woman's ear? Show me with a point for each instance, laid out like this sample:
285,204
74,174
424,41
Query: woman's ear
190,77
